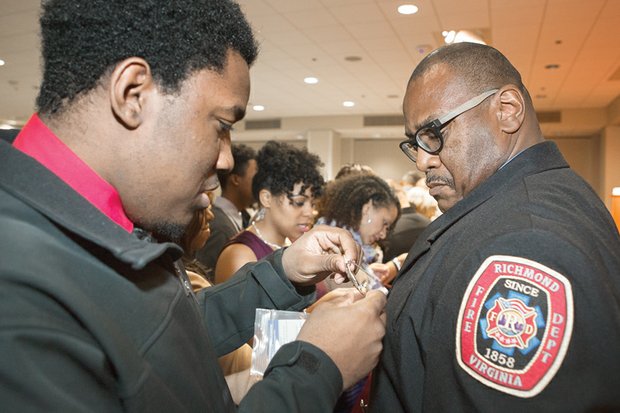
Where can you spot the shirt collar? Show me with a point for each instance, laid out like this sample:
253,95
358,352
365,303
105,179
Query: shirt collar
230,209
39,142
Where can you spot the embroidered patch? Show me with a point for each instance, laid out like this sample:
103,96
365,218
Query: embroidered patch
514,325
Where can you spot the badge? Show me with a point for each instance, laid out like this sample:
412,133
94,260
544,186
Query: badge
514,325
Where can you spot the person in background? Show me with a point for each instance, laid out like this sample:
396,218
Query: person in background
366,206
286,184
230,208
510,304
424,204
353,169
133,121
235,365
406,230
411,179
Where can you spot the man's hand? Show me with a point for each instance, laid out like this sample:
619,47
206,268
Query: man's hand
349,329
322,251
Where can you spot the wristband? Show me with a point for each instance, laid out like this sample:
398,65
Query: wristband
397,263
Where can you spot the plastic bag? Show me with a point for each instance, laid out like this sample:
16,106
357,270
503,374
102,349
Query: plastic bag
272,330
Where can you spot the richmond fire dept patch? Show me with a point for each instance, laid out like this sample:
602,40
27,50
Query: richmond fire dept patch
514,325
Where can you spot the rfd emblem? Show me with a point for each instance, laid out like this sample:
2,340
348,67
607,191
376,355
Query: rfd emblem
514,325
511,323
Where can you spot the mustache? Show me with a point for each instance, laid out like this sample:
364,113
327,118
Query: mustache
442,180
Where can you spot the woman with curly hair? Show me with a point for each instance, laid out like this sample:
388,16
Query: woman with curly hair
286,184
364,204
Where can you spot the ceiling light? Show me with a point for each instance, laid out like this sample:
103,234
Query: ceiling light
5,126
258,108
2,62
348,104
353,58
407,9
461,36
311,80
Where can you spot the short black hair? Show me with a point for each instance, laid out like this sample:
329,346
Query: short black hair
281,166
345,198
242,155
480,67
82,40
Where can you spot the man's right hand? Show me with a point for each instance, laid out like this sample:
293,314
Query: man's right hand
350,329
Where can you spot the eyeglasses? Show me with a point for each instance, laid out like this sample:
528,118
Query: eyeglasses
429,137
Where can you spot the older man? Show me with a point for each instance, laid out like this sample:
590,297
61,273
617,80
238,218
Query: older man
508,302
134,119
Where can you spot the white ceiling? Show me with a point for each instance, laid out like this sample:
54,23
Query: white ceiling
302,38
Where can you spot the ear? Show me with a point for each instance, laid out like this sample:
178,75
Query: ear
265,198
129,83
233,179
511,109
366,208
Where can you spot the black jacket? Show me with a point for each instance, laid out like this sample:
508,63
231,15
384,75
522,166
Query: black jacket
93,318
508,302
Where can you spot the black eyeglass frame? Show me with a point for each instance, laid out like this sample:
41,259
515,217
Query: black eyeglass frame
414,142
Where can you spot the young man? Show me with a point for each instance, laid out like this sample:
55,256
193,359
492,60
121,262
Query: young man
509,300
229,209
134,118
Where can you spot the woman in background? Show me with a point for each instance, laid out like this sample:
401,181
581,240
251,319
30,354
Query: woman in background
236,364
286,184
365,205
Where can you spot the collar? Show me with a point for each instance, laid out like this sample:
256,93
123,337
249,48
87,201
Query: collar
29,181
40,143
230,210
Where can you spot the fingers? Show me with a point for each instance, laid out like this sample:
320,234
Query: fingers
340,241
376,300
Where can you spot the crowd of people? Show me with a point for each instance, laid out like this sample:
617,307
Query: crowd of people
126,285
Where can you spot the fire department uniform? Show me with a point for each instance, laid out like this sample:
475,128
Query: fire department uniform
509,302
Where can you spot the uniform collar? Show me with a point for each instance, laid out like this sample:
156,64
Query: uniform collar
35,185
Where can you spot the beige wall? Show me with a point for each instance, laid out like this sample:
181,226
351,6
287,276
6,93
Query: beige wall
583,156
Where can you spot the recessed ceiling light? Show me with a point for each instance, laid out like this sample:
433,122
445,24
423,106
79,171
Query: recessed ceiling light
407,9
348,104
311,80
2,62
615,191
353,58
258,108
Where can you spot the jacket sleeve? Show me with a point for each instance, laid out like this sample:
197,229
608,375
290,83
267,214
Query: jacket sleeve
588,329
300,377
229,308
